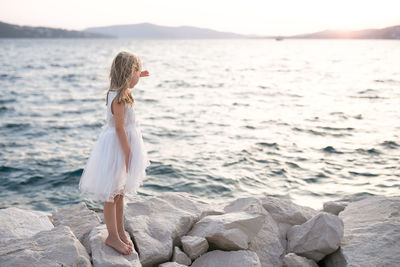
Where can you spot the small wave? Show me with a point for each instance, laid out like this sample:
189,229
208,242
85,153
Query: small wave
331,149
5,76
335,128
386,81
6,169
16,126
279,172
311,180
234,162
67,178
5,101
371,151
92,125
162,169
293,165
366,91
363,174
390,145
265,144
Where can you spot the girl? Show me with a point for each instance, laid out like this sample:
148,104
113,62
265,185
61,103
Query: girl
119,158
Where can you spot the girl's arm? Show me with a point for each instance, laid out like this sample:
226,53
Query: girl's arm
118,111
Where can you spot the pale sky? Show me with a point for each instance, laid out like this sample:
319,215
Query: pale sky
261,17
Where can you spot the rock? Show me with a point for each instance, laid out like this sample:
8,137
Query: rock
194,246
20,223
180,257
267,243
249,204
157,223
80,219
334,207
56,247
230,231
293,260
103,255
171,264
371,233
219,258
286,214
316,238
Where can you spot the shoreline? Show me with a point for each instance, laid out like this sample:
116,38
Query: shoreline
180,229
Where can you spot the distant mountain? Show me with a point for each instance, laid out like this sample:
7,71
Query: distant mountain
383,33
15,31
152,31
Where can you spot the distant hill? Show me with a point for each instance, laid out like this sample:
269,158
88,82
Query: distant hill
383,33
15,31
152,31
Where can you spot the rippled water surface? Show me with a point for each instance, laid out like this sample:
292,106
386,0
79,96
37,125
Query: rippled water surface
306,120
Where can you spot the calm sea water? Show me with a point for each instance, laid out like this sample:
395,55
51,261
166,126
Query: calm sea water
305,120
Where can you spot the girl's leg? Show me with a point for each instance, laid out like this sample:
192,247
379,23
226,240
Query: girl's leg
120,221
113,239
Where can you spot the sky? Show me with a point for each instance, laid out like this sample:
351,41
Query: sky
259,17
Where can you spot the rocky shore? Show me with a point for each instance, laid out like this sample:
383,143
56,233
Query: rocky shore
179,229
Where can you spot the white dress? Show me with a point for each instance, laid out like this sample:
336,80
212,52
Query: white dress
105,175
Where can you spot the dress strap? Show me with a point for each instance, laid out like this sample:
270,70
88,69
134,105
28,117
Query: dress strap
111,96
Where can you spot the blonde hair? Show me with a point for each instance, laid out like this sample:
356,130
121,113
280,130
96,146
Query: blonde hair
121,75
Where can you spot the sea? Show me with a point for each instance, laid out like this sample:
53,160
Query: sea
309,121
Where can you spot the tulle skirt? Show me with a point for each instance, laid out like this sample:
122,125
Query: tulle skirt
105,174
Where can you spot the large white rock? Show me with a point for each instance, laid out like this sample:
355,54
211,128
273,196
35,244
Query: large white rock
371,233
104,256
293,260
267,243
80,219
334,207
180,257
316,238
194,246
219,258
157,223
56,247
21,223
230,231
286,214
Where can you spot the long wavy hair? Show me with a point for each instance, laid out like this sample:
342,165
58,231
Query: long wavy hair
121,75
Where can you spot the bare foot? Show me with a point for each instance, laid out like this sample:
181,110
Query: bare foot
126,239
118,245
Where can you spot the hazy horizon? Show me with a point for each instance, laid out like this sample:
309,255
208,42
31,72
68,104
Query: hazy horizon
255,17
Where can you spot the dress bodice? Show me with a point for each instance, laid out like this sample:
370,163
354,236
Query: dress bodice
129,113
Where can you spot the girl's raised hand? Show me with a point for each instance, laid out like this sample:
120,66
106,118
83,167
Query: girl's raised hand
144,73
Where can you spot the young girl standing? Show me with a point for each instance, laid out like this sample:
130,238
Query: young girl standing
119,159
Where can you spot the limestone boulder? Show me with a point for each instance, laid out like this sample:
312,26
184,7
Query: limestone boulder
316,238
267,244
21,223
56,247
80,219
286,214
104,255
180,257
293,260
334,207
194,246
219,258
230,231
371,233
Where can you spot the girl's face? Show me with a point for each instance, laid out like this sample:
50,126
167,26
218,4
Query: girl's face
135,77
